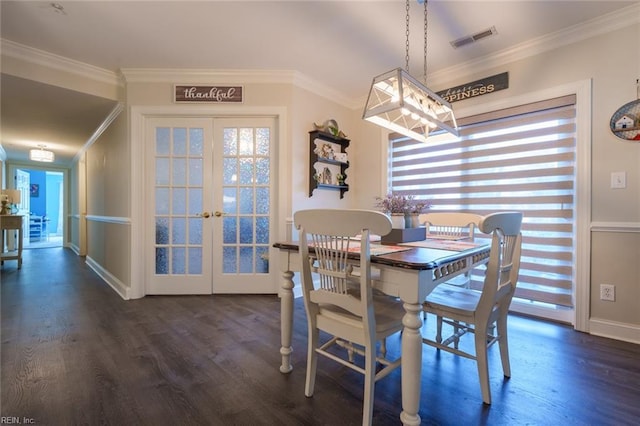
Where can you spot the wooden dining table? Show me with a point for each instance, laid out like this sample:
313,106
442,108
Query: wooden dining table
409,271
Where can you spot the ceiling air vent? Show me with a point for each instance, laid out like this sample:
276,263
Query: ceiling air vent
463,41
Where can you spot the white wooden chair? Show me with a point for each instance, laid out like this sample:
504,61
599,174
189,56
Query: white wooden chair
344,304
472,311
451,226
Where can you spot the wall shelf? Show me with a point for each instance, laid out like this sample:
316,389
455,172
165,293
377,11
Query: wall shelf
323,168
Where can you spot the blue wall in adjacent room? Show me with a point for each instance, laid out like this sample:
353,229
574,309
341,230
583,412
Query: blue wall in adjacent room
39,203
47,202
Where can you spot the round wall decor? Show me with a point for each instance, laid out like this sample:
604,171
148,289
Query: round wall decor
625,122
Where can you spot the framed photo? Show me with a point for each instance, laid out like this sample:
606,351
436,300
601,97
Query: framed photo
35,190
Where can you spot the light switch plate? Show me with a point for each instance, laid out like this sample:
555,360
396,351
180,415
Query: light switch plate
618,180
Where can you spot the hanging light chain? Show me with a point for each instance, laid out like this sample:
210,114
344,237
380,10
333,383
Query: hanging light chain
407,41
425,42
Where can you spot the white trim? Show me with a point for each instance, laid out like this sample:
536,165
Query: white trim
201,76
582,263
624,227
601,25
108,219
229,76
49,60
3,154
567,36
138,116
75,249
565,315
117,109
615,330
109,278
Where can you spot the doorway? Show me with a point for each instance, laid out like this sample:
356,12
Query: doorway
211,195
42,206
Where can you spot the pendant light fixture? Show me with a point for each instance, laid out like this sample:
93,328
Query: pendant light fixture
401,103
41,155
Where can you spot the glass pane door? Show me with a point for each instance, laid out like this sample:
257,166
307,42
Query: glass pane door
179,188
244,199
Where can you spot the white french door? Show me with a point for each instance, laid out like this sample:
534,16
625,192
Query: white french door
209,183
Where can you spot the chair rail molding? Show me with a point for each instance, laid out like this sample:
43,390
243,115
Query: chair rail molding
625,227
109,219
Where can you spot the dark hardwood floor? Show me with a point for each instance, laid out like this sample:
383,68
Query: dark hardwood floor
75,353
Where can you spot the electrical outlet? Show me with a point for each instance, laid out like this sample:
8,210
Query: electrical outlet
607,292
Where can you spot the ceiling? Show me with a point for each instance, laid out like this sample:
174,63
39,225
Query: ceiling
341,45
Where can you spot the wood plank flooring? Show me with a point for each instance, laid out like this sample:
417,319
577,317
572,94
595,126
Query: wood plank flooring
75,353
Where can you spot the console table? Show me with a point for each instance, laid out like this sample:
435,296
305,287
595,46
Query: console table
8,223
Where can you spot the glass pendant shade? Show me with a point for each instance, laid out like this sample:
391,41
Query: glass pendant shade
41,155
402,104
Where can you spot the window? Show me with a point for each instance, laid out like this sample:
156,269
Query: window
521,158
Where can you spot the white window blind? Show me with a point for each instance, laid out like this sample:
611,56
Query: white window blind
520,158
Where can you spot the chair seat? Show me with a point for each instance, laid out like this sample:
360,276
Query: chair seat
388,311
457,300
478,312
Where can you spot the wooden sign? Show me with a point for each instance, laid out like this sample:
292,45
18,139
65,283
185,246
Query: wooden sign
214,94
476,88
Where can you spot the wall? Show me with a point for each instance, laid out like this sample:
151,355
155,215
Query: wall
38,202
613,68
297,108
107,188
307,109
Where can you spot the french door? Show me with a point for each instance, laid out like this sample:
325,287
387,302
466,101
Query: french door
210,197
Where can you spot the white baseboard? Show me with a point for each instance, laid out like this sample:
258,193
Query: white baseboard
117,285
74,248
615,330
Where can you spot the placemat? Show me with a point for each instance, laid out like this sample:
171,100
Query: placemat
379,250
444,244
376,249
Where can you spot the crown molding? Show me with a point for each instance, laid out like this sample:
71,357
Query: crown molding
60,63
236,76
601,25
117,109
203,76
567,36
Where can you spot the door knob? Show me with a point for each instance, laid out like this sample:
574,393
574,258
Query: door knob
218,213
204,214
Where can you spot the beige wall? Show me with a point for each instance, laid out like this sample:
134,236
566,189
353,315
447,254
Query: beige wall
306,110
107,188
613,68
606,60
616,258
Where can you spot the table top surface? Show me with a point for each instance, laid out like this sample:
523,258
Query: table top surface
419,256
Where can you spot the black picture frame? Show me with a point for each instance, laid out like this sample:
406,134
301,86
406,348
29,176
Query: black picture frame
35,190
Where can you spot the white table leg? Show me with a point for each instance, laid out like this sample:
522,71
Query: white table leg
286,321
411,364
